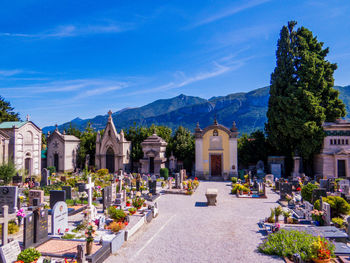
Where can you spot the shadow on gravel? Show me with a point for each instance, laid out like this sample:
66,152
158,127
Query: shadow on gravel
200,204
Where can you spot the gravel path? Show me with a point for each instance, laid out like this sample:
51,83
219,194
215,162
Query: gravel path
186,232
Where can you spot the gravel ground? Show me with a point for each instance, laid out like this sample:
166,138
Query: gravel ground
187,231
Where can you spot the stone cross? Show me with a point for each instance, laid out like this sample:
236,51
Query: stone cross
91,208
4,221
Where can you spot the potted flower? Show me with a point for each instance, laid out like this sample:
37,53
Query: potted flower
322,251
317,216
137,202
29,255
278,211
20,215
286,214
128,202
288,197
132,210
89,234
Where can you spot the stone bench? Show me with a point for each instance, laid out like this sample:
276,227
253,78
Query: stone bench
211,195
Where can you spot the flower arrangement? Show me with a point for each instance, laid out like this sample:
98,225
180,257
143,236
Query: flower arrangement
317,215
288,197
132,210
116,226
20,213
137,202
116,214
29,255
90,232
128,202
322,250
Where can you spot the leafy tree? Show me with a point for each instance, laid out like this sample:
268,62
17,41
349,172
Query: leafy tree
302,96
252,148
6,111
87,146
306,191
182,146
7,171
43,142
74,131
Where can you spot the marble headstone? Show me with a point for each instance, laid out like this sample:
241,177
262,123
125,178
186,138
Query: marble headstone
326,208
10,251
8,196
68,190
39,194
59,218
57,196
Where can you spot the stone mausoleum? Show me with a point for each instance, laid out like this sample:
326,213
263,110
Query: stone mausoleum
62,151
216,151
154,148
334,158
112,149
21,143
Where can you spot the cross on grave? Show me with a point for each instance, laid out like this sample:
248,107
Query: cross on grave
4,220
89,187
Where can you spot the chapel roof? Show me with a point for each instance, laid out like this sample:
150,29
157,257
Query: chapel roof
10,124
4,135
153,139
65,137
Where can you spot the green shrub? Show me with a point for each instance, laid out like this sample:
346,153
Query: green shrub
29,255
52,169
339,206
12,227
338,221
234,179
7,171
287,243
164,172
116,214
306,191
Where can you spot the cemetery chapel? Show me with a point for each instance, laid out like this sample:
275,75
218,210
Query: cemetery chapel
112,149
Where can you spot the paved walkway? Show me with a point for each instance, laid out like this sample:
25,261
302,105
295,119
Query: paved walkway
186,232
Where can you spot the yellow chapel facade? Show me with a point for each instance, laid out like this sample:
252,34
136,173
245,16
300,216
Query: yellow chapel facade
216,151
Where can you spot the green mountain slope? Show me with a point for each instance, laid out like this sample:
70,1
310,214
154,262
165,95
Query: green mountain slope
248,110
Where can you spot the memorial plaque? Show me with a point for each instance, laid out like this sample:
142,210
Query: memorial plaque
9,252
8,196
57,196
81,187
17,179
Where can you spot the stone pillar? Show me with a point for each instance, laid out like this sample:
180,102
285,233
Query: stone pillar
199,156
233,156
296,169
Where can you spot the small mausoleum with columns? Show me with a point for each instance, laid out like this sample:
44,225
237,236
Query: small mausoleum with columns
112,149
216,151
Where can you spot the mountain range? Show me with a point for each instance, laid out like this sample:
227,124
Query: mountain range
247,109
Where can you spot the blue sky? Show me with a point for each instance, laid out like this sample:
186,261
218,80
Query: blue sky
65,59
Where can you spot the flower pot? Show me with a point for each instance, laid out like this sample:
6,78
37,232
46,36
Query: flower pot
89,247
127,204
321,260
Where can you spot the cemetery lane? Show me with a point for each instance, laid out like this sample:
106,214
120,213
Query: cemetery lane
186,230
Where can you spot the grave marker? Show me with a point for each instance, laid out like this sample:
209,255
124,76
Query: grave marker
68,190
8,196
317,193
10,251
56,196
59,218
39,194
326,208
308,208
285,189
44,177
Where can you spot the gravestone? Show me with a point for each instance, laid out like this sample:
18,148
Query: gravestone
276,169
59,218
57,196
345,189
317,193
17,179
152,187
42,224
348,228
107,197
326,208
68,190
331,186
277,185
324,184
308,208
39,194
28,230
81,187
10,251
8,196
44,177
101,222
177,181
285,189
113,192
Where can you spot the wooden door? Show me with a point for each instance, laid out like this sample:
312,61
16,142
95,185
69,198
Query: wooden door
341,169
215,161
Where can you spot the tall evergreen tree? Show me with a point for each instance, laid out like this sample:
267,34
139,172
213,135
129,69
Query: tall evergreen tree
302,96
6,111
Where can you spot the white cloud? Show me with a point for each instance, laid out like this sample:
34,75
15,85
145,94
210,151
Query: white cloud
73,30
11,72
228,12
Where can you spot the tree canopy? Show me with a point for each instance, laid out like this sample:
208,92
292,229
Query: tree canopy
302,96
7,112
